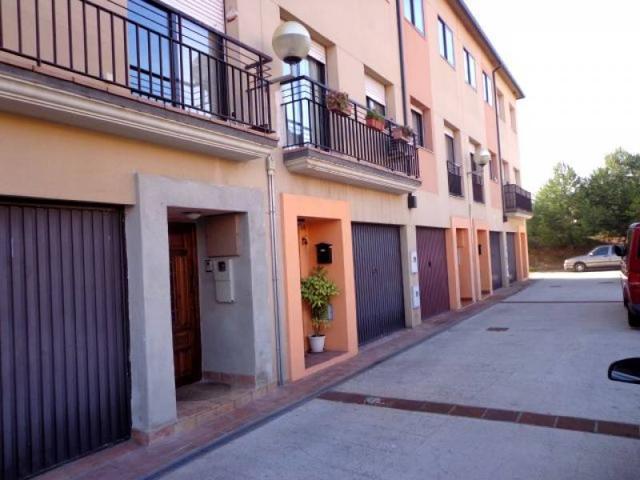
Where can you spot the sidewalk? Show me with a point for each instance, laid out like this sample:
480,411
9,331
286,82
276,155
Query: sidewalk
130,460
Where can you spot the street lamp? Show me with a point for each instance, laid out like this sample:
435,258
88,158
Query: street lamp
291,42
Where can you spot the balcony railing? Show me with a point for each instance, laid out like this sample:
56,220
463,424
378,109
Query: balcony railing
517,199
477,183
150,52
308,122
455,179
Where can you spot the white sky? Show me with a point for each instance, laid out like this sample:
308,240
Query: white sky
578,62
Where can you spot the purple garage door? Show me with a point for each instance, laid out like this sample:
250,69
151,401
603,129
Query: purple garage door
433,273
63,335
511,252
496,260
378,277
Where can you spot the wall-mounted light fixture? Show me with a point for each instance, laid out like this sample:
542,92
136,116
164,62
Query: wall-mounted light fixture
412,201
193,215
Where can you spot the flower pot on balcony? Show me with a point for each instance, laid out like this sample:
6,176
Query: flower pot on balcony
402,134
316,343
376,123
338,102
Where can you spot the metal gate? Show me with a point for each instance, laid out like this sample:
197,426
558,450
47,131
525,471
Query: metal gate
378,278
63,335
496,260
511,252
433,273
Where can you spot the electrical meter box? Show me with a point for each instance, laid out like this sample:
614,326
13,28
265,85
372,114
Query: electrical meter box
223,273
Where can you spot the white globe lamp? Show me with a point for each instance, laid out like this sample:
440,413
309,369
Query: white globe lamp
291,42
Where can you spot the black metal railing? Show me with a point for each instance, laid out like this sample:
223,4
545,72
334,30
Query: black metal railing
455,179
155,53
477,183
309,122
517,199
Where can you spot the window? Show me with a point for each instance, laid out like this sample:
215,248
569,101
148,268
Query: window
505,172
376,106
376,95
445,37
155,74
500,105
413,13
487,88
451,149
469,68
600,251
472,162
516,175
418,127
512,116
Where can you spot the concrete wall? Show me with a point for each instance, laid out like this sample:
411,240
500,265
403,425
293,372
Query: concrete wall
247,327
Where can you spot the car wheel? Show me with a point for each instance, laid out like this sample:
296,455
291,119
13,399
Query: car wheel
579,267
634,320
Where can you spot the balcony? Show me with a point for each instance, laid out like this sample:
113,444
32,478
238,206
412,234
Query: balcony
517,202
454,173
477,183
322,143
141,71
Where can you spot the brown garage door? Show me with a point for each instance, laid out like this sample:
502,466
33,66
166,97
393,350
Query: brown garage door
63,335
434,277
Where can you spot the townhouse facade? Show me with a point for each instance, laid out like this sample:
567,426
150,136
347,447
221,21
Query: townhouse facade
167,181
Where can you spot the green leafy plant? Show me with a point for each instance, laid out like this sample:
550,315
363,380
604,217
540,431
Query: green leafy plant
317,290
373,115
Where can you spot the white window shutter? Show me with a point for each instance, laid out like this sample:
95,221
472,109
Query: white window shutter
375,90
318,52
209,12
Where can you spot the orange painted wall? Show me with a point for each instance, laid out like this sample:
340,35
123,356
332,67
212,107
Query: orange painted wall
330,221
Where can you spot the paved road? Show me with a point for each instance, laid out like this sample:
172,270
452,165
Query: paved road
561,334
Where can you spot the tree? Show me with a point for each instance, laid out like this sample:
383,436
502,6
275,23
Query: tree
558,207
612,195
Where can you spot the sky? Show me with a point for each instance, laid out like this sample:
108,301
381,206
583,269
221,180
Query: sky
578,63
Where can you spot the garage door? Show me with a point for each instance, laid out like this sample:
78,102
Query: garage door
511,252
378,278
63,335
434,277
496,260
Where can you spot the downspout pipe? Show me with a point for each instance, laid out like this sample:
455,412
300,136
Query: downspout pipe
500,165
403,81
271,170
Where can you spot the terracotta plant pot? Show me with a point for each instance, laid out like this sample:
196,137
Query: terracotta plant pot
316,343
376,123
398,134
343,112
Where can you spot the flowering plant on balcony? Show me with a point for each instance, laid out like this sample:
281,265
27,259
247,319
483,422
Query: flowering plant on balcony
338,102
375,120
402,133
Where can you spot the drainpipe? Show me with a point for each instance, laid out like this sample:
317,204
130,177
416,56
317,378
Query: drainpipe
495,105
271,170
403,82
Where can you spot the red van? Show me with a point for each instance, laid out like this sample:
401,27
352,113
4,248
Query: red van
631,274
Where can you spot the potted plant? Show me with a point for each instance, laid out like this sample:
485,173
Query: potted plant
402,133
375,120
317,290
338,102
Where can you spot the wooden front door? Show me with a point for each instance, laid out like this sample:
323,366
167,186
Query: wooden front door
184,303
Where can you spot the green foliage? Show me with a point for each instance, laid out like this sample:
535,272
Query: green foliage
372,114
317,290
557,211
570,210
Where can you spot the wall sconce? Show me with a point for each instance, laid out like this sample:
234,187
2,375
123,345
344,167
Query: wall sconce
412,201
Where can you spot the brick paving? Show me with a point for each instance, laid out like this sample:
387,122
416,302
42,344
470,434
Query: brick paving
130,460
578,424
